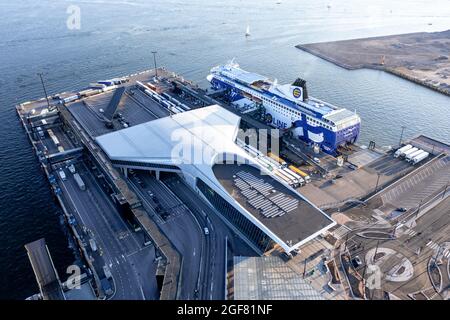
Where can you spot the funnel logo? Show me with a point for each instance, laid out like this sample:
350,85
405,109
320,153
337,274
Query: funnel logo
297,93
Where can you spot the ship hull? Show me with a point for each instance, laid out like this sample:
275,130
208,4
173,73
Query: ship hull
301,128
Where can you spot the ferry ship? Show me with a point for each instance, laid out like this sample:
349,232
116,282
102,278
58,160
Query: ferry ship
289,107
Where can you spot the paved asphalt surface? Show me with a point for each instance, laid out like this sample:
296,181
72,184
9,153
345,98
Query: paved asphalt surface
180,227
418,244
131,263
425,182
213,273
219,232
204,267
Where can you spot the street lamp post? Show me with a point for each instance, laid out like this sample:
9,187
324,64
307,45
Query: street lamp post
445,191
154,61
378,180
345,243
401,136
304,268
45,90
376,251
418,208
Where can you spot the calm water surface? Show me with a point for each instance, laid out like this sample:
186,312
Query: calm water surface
117,37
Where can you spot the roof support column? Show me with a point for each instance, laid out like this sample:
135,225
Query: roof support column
157,174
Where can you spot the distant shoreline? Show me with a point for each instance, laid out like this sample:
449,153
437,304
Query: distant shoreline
418,57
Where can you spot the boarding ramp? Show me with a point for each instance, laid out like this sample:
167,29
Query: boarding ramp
114,103
44,270
65,155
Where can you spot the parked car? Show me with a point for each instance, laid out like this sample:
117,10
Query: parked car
356,262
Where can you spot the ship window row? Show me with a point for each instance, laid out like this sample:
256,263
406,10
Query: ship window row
320,123
285,111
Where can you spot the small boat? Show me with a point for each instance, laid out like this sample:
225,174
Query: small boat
247,32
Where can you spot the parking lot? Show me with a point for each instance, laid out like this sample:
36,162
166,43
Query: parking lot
355,183
418,187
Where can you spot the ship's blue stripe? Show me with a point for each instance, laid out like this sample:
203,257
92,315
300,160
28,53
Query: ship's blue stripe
331,140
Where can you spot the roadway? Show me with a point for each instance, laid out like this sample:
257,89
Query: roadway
219,232
131,264
416,243
183,218
180,227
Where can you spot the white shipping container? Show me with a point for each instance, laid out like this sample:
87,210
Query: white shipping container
420,157
409,151
410,156
401,150
109,88
282,176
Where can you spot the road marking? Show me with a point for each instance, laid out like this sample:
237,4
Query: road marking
446,253
432,245
410,232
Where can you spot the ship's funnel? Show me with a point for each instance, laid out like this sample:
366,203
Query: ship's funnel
299,82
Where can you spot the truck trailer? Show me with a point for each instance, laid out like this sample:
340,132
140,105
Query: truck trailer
301,173
409,151
79,181
420,157
410,156
401,150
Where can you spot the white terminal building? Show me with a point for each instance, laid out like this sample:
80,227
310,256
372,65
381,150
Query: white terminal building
200,145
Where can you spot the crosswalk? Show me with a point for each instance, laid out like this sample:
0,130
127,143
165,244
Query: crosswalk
410,232
340,232
432,245
446,253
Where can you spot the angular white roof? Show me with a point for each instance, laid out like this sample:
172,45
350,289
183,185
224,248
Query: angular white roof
194,137
194,142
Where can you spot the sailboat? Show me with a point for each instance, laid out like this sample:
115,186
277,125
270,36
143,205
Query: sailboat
247,32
